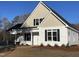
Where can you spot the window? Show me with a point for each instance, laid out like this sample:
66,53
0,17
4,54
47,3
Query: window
27,36
37,21
41,19
52,35
49,36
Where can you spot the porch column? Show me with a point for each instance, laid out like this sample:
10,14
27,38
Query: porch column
31,38
15,38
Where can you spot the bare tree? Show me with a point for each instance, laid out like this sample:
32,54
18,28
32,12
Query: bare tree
1,25
19,19
5,24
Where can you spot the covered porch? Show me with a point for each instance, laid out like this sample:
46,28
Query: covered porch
31,37
27,36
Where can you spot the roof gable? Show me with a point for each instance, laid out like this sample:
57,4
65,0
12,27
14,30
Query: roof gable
60,18
42,10
51,21
39,12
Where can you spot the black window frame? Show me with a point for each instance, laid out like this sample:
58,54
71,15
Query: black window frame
34,22
27,37
37,21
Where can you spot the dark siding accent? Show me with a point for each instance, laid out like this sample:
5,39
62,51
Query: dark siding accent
58,34
45,35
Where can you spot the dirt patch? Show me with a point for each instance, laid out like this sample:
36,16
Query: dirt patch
35,51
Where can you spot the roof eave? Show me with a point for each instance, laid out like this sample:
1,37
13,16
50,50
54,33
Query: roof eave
72,28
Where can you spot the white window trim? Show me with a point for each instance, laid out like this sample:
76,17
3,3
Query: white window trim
52,30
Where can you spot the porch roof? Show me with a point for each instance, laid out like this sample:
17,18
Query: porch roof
18,26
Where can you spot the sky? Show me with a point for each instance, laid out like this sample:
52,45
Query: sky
67,9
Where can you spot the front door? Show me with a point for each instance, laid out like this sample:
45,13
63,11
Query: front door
35,38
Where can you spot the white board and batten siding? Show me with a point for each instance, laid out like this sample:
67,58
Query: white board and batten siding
73,37
63,37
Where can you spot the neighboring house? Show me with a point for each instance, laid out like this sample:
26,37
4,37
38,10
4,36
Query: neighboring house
45,26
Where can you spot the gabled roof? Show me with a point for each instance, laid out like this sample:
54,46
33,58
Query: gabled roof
59,17
17,26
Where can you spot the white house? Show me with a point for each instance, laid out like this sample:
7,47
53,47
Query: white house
46,27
